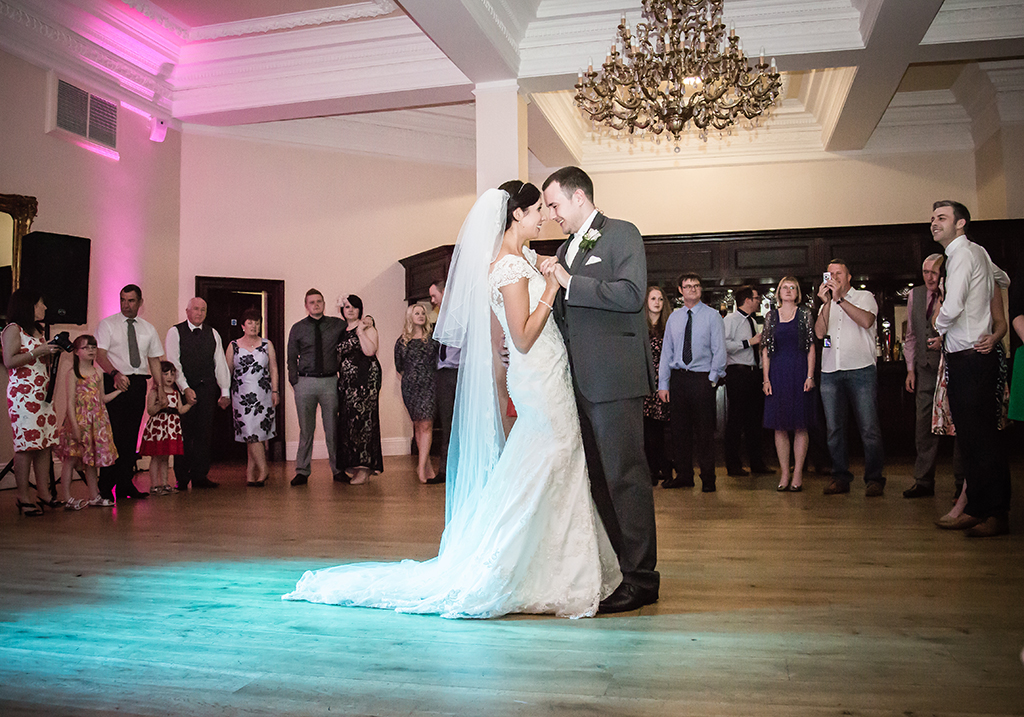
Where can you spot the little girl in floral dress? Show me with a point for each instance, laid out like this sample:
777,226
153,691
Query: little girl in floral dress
161,438
86,442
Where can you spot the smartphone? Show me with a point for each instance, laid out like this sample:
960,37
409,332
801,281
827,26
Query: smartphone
827,342
826,277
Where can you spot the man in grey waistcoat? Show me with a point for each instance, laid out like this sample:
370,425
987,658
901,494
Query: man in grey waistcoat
922,377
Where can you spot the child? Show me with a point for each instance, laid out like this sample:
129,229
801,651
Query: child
162,436
86,441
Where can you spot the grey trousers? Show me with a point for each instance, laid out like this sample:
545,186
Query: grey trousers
309,392
926,442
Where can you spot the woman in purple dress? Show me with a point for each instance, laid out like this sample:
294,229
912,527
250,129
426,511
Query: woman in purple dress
787,360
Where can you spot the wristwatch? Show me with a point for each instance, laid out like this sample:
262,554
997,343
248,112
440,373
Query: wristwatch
840,300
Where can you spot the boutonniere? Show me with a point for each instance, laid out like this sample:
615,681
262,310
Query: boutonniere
589,239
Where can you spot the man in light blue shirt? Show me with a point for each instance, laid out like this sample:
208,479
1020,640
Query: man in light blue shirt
692,362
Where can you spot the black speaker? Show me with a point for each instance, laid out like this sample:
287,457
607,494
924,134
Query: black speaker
57,266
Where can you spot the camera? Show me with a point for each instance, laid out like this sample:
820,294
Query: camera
62,341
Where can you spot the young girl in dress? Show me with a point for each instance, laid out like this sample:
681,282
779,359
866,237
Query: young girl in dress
161,438
86,441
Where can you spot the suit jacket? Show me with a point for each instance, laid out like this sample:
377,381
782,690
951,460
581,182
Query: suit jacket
602,320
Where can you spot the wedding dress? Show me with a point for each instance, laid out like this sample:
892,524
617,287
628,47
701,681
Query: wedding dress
527,538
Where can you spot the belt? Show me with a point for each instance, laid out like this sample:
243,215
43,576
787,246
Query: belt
316,375
686,370
738,366
965,352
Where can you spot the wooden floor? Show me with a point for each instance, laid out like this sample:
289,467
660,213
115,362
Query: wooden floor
771,604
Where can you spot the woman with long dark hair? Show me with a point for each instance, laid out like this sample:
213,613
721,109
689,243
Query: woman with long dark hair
33,420
656,411
359,381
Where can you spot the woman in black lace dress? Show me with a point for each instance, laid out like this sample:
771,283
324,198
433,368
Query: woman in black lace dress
416,360
359,377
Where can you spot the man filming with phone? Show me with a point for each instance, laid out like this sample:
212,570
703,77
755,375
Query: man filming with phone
846,327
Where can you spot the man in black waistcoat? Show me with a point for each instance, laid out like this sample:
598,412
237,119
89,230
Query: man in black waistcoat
203,378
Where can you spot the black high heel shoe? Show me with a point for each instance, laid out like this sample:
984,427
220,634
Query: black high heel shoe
52,503
30,510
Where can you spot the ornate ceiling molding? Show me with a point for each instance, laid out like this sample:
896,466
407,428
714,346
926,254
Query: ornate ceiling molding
161,17
344,13
976,20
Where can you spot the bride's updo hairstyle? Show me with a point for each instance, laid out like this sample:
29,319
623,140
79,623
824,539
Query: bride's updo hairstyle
520,196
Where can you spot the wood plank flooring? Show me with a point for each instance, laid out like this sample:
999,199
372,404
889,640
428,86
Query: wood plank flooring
771,604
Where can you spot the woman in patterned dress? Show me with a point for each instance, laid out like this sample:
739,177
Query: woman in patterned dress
27,358
254,395
359,379
655,410
416,360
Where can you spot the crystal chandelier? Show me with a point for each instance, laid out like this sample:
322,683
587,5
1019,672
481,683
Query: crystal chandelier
679,67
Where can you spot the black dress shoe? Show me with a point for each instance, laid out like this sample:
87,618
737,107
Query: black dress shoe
341,477
300,479
181,486
204,483
738,473
919,491
677,483
627,597
707,487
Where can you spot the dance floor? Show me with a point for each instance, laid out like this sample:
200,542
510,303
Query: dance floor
771,604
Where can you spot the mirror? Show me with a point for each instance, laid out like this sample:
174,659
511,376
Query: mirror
16,215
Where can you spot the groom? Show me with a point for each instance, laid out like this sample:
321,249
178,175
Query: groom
603,273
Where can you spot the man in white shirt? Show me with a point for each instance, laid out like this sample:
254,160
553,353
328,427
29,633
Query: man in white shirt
846,328
743,386
965,319
129,353
196,351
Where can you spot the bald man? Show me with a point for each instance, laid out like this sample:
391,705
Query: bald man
203,378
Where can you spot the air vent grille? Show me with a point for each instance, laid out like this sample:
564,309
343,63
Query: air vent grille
86,115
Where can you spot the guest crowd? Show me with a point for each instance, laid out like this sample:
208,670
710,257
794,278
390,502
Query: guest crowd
804,370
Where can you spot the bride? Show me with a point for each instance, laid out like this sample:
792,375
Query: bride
522,534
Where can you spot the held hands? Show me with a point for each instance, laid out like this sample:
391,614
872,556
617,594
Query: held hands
190,396
553,270
224,401
121,382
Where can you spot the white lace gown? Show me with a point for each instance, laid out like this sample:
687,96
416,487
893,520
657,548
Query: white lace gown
532,542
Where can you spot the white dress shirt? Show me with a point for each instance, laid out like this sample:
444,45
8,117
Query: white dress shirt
574,247
112,337
971,277
853,346
737,340
220,362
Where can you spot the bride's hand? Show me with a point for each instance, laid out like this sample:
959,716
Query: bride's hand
547,264
552,280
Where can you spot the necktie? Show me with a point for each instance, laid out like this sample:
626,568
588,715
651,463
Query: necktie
753,333
133,345
195,331
688,338
932,295
318,349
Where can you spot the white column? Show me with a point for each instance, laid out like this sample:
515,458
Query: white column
501,151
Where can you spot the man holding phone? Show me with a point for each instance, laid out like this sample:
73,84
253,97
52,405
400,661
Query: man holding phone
846,327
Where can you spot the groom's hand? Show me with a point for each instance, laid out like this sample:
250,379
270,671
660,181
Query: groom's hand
561,275
547,263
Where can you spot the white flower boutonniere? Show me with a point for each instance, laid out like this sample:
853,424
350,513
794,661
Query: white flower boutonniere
589,239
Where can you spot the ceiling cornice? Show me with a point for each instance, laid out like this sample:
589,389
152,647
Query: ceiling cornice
344,13
976,20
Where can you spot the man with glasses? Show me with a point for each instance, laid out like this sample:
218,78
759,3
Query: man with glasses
692,362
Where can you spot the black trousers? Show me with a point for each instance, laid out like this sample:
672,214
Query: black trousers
196,429
743,427
973,404
655,448
125,413
692,402
445,381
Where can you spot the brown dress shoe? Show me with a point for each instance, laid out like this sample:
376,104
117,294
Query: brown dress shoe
990,527
835,487
962,522
874,489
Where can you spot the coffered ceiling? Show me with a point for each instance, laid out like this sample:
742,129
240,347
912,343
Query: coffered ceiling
862,76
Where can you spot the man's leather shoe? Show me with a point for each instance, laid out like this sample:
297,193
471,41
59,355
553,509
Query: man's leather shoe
835,487
990,527
300,479
627,597
737,473
707,487
341,477
204,483
919,490
961,522
874,489
677,483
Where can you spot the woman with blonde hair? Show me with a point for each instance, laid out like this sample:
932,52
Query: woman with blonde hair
787,362
416,361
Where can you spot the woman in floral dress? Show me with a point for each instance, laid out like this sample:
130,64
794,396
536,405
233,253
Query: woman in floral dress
254,395
27,358
359,379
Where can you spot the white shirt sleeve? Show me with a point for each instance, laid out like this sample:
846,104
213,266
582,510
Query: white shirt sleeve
174,356
220,366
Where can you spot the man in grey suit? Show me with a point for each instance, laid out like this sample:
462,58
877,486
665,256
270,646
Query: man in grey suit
602,269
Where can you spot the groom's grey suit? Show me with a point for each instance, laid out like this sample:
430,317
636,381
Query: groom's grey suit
601,318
